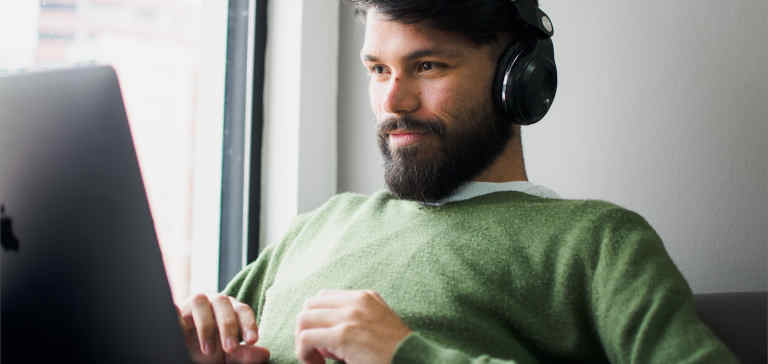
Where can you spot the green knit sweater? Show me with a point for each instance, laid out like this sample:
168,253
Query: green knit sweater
501,278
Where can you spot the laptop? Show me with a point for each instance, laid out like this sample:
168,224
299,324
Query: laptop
82,274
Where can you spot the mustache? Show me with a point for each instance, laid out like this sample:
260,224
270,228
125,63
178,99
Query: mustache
415,125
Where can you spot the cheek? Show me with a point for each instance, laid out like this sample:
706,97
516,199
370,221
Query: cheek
449,101
375,97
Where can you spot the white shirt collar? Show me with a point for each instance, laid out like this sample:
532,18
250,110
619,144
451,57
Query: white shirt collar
473,189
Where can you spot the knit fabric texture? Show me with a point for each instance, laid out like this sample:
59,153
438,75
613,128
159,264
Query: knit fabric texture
500,278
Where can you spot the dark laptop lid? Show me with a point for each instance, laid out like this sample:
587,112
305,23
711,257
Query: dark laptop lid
82,274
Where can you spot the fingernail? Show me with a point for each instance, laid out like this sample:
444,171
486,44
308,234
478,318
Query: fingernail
251,336
206,348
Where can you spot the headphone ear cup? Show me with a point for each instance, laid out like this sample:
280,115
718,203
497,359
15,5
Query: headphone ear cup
526,81
501,94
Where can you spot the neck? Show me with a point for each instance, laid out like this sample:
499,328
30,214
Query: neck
509,165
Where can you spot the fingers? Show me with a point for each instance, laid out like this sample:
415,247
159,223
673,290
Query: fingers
248,354
213,324
213,327
227,322
306,343
316,323
248,326
188,328
354,326
319,318
205,323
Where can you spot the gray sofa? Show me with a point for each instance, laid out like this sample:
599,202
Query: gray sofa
740,320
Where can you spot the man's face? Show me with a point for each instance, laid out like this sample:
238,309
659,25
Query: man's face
431,93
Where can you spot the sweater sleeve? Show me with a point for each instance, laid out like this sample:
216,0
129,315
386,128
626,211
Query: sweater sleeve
641,305
250,285
415,348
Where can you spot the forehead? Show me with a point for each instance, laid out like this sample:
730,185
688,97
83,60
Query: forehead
388,37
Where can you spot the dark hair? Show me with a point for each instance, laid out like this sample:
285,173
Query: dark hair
479,20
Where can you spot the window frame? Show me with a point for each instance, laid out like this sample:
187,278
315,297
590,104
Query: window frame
242,136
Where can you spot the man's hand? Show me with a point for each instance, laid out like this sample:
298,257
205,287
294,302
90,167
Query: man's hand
357,327
215,327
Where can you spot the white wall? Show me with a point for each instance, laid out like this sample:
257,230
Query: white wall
299,148
360,164
661,108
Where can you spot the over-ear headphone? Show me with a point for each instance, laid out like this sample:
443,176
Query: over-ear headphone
526,76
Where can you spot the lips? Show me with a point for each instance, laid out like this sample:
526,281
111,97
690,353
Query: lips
399,138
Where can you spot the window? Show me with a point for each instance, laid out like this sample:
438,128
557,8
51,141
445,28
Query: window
170,57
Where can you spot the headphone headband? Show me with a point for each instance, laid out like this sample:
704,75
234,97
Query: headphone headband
534,17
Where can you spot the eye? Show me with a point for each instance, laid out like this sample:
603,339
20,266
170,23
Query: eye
427,66
377,69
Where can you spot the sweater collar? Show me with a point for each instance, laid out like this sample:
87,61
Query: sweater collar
474,189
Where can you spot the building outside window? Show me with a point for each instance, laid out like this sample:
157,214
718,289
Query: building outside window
166,55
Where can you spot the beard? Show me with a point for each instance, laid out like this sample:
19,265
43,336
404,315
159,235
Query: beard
429,172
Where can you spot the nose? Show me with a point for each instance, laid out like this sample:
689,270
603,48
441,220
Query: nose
401,96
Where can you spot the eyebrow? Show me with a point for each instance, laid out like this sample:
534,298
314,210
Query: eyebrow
427,52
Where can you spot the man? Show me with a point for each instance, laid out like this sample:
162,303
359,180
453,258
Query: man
462,260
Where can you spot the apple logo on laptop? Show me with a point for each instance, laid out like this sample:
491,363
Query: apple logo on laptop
8,239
